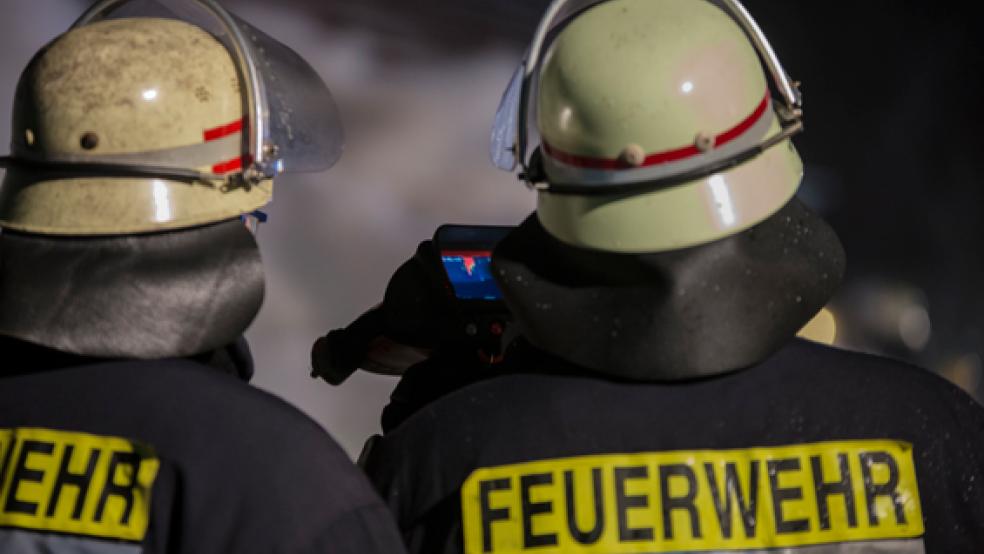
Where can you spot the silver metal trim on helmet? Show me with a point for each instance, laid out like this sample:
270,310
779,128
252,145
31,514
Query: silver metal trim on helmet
265,152
507,155
255,95
789,89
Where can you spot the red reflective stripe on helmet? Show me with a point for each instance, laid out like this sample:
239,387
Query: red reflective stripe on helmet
223,130
738,130
659,157
226,167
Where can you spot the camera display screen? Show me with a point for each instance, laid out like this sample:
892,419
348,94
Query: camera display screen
470,273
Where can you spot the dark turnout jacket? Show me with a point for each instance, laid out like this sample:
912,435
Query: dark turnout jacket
815,450
172,456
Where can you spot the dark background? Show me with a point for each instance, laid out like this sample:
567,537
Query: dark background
892,150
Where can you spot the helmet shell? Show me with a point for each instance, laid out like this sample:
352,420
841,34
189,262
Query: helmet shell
633,91
137,91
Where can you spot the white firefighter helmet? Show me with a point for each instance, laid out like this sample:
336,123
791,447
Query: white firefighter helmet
151,115
656,124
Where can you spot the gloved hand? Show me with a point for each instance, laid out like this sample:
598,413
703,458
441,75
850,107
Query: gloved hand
396,334
419,315
363,344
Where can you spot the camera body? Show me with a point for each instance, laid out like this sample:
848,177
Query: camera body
443,300
475,304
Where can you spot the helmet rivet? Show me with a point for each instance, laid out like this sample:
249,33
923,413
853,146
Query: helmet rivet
29,137
703,142
89,141
634,155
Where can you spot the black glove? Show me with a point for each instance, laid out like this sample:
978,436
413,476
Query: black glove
418,316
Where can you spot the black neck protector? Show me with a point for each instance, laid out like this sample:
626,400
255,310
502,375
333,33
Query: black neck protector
164,295
684,314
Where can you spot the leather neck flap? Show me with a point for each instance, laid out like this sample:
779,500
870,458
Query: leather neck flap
163,295
684,314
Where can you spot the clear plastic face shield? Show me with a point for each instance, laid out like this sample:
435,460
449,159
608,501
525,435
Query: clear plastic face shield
292,123
513,136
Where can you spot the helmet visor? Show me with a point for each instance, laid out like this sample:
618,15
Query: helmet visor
293,121
510,132
505,131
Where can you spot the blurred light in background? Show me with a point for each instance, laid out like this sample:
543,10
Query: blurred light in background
886,317
915,328
822,328
966,372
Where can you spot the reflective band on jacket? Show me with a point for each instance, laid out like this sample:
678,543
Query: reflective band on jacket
703,500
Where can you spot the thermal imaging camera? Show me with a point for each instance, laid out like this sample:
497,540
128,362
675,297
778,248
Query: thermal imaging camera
466,257
465,253
445,298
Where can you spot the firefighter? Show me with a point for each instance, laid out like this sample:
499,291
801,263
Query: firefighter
658,400
142,148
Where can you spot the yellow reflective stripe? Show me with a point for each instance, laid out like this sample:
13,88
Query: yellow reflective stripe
75,483
755,498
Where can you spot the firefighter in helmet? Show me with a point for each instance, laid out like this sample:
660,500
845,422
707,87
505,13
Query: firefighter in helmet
144,142
658,400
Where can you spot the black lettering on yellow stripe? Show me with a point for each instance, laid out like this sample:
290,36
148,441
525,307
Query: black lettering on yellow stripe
80,481
624,502
530,509
889,488
123,491
755,499
75,483
684,502
826,489
23,473
8,452
592,536
733,491
490,514
780,495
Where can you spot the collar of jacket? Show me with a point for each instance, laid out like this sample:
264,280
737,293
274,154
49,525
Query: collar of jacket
24,358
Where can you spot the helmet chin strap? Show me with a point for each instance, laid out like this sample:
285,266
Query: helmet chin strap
107,169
